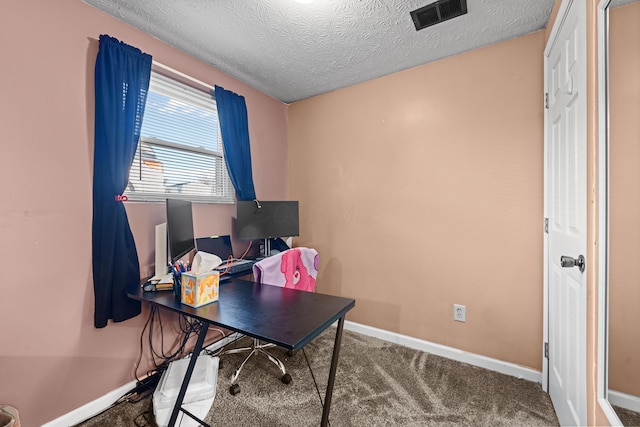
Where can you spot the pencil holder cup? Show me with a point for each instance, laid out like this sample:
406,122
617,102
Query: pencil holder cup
177,284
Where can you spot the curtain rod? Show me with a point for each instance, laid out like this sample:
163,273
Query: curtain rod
183,75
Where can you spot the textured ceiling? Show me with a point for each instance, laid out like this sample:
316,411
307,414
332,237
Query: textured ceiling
292,51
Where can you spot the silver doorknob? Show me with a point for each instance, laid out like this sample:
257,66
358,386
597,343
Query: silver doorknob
567,261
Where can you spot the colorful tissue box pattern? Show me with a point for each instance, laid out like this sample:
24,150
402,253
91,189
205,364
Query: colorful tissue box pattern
198,290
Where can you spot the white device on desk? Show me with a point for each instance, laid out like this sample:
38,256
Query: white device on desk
162,257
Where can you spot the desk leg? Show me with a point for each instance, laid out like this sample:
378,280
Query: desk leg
332,373
187,375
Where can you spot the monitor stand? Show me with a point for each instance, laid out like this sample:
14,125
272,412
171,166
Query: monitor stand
267,248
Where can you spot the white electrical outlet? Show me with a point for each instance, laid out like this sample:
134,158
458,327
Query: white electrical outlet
459,312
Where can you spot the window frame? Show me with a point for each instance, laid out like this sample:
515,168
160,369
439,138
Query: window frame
176,89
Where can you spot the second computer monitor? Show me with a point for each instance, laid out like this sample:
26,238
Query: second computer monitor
267,219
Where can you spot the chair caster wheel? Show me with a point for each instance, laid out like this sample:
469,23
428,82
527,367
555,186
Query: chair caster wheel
235,389
286,378
291,353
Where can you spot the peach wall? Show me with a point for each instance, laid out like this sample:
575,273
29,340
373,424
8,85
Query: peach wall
424,189
624,220
52,359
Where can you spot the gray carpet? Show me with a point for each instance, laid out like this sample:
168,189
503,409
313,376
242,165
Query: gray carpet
377,384
627,417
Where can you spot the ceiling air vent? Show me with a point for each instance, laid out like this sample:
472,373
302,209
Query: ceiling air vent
437,12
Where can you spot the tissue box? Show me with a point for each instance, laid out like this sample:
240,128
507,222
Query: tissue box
200,289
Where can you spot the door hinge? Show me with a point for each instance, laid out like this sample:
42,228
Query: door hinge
546,350
546,225
546,100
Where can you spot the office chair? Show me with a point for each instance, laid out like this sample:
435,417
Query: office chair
295,268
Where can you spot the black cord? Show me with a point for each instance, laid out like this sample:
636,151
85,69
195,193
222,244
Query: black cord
161,359
145,385
188,328
156,315
137,364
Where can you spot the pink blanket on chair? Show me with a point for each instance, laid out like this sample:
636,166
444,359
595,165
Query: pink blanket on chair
295,268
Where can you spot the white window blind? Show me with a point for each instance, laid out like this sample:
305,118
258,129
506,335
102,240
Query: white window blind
180,152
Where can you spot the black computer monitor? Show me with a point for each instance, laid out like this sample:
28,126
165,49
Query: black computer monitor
267,219
180,234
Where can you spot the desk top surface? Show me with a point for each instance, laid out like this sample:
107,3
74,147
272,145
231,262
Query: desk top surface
286,317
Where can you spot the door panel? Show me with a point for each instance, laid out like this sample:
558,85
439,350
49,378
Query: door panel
566,190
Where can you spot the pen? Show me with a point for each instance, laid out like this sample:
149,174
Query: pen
176,271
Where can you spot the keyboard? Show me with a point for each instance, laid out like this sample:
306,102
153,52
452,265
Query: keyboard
236,266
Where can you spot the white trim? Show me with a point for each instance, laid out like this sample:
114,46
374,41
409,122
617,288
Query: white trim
91,409
181,74
603,394
545,236
95,407
611,415
624,400
448,352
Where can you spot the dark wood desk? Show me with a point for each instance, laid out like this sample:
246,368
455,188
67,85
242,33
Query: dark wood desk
285,317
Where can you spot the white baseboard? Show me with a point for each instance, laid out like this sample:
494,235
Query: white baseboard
612,417
92,409
448,352
623,400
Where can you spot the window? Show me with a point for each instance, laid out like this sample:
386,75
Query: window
180,152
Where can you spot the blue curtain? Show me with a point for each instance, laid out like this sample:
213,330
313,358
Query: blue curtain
121,82
232,113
